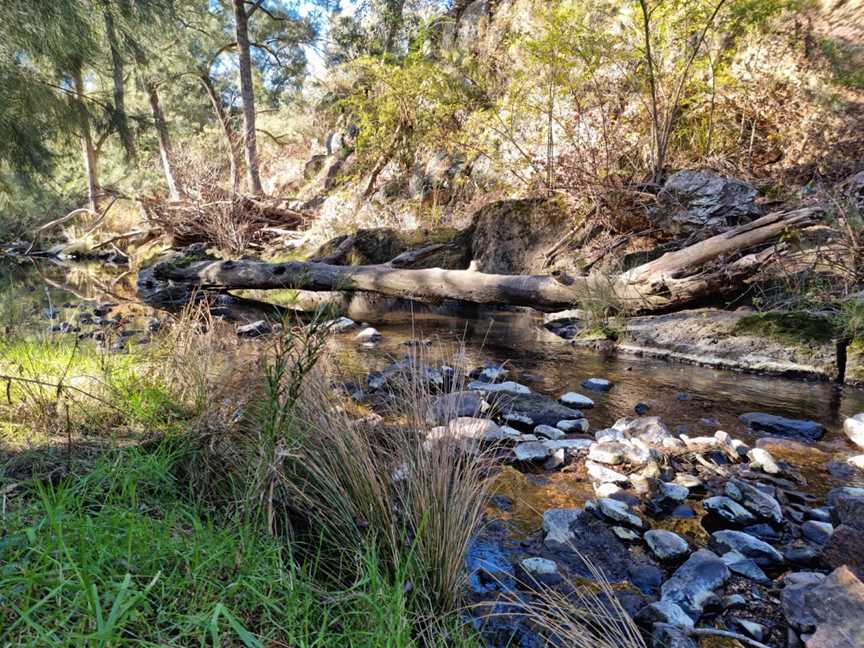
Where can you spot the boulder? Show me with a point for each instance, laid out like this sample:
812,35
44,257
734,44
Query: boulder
576,401
848,506
692,200
542,570
845,547
818,532
838,607
783,427
747,545
648,428
662,497
795,587
666,545
444,408
570,445
597,384
478,429
854,429
693,583
532,451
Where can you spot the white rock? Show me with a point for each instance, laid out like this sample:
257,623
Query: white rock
618,511
507,387
573,425
341,324
508,431
761,458
650,428
604,475
555,459
548,431
540,566
531,451
857,461
606,490
854,429
577,401
607,453
475,428
368,334
556,525
571,445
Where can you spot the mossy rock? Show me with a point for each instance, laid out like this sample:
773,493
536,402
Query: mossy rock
855,363
380,245
793,328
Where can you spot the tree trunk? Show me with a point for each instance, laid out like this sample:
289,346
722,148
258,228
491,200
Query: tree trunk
247,93
228,132
674,280
165,150
119,117
87,147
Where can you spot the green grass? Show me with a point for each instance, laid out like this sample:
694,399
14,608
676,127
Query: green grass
122,556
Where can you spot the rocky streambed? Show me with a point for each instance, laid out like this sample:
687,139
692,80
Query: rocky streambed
701,533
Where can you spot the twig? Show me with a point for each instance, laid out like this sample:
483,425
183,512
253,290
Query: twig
711,632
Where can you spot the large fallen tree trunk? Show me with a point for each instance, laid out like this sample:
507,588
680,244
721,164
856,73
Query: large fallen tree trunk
715,265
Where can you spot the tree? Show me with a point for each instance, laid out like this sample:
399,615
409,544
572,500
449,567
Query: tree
250,145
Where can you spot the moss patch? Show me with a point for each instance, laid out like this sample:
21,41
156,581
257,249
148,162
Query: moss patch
855,362
795,328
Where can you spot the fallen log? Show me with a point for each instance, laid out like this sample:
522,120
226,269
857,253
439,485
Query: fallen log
713,266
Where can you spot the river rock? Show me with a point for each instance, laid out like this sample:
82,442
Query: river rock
532,410
666,635
729,510
341,324
618,511
541,569
557,525
740,564
489,374
571,426
761,552
648,428
755,500
443,408
838,607
845,546
610,454
597,384
856,462
548,432
761,458
749,628
661,497
817,532
847,506
694,200
254,329
693,583
532,451
854,429
576,401
506,387
600,473
795,587
663,612
368,334
570,445
666,545
784,427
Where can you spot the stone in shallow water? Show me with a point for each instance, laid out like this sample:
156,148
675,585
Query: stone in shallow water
576,401
648,428
666,545
760,552
780,426
368,334
557,525
507,387
341,324
597,384
534,409
489,374
443,408
693,583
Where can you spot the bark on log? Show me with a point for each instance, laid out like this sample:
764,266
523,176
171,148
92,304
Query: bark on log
676,279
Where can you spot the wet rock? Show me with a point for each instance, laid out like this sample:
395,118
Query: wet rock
443,408
618,511
761,458
597,384
848,506
341,324
692,200
576,401
571,426
845,547
548,432
784,427
757,501
532,451
795,586
641,409
557,525
740,564
507,387
662,497
729,510
854,429
694,582
533,409
760,552
602,474
838,607
817,532
663,612
368,334
666,545
666,635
